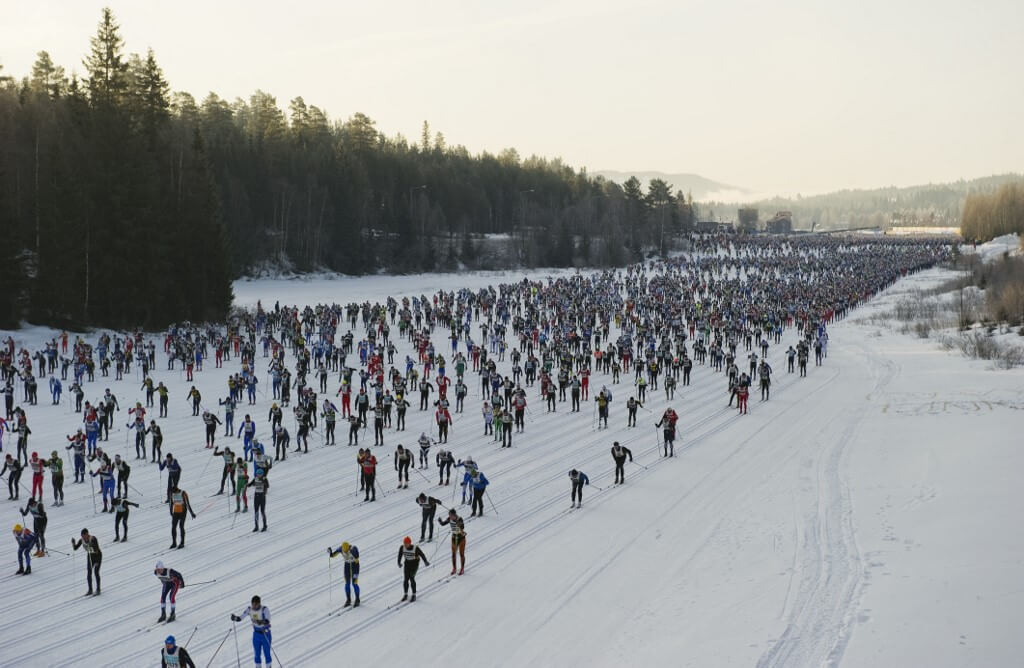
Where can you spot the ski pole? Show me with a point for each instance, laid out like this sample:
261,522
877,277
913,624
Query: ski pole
92,481
274,651
204,582
640,465
330,580
488,495
130,486
221,645
50,549
190,637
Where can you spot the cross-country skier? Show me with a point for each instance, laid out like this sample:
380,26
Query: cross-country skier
260,486
445,461
259,614
38,523
26,541
619,454
428,505
121,506
179,506
350,554
668,423
170,581
94,558
458,538
409,556
403,458
172,656
579,479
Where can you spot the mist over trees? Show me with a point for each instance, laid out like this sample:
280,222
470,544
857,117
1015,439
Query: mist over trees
125,204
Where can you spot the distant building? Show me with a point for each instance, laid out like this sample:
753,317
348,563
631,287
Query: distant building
780,223
713,227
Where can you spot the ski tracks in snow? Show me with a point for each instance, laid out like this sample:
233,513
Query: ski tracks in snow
821,605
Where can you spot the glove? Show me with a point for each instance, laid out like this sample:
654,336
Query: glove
236,618
330,552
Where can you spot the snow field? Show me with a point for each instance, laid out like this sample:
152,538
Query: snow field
773,539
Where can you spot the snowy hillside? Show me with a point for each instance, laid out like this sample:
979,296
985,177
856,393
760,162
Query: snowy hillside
866,515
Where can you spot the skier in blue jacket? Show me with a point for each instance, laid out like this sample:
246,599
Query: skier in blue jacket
579,479
478,481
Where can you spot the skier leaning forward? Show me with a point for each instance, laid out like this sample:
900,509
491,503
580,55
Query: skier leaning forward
458,538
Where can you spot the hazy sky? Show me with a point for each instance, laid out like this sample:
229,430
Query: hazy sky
785,96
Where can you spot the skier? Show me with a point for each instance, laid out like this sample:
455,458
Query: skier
36,465
38,524
445,461
350,554
26,541
123,471
179,506
369,467
403,458
668,422
172,656
241,483
170,581
458,538
619,454
443,419
260,486
428,506
158,440
229,467
121,507
173,474
94,558
476,479
56,466
14,477
106,474
259,614
579,479
409,556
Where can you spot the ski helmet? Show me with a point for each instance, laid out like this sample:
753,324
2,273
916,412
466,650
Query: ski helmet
344,547
18,528
573,473
169,640
53,454
35,455
159,566
407,540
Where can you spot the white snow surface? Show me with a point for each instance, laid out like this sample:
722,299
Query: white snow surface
866,515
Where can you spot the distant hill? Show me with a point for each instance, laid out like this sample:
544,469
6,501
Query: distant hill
933,204
699,186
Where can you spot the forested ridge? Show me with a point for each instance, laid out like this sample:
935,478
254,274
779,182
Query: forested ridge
125,204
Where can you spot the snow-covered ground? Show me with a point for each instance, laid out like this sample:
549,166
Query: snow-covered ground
866,515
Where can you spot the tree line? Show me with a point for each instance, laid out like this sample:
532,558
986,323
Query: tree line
988,215
125,204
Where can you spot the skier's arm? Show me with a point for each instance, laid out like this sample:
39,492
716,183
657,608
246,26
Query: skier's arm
422,556
184,659
400,556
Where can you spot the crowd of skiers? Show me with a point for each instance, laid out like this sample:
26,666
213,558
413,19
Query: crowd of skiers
724,307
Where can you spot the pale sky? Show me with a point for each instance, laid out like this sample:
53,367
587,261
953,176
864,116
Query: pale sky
785,96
